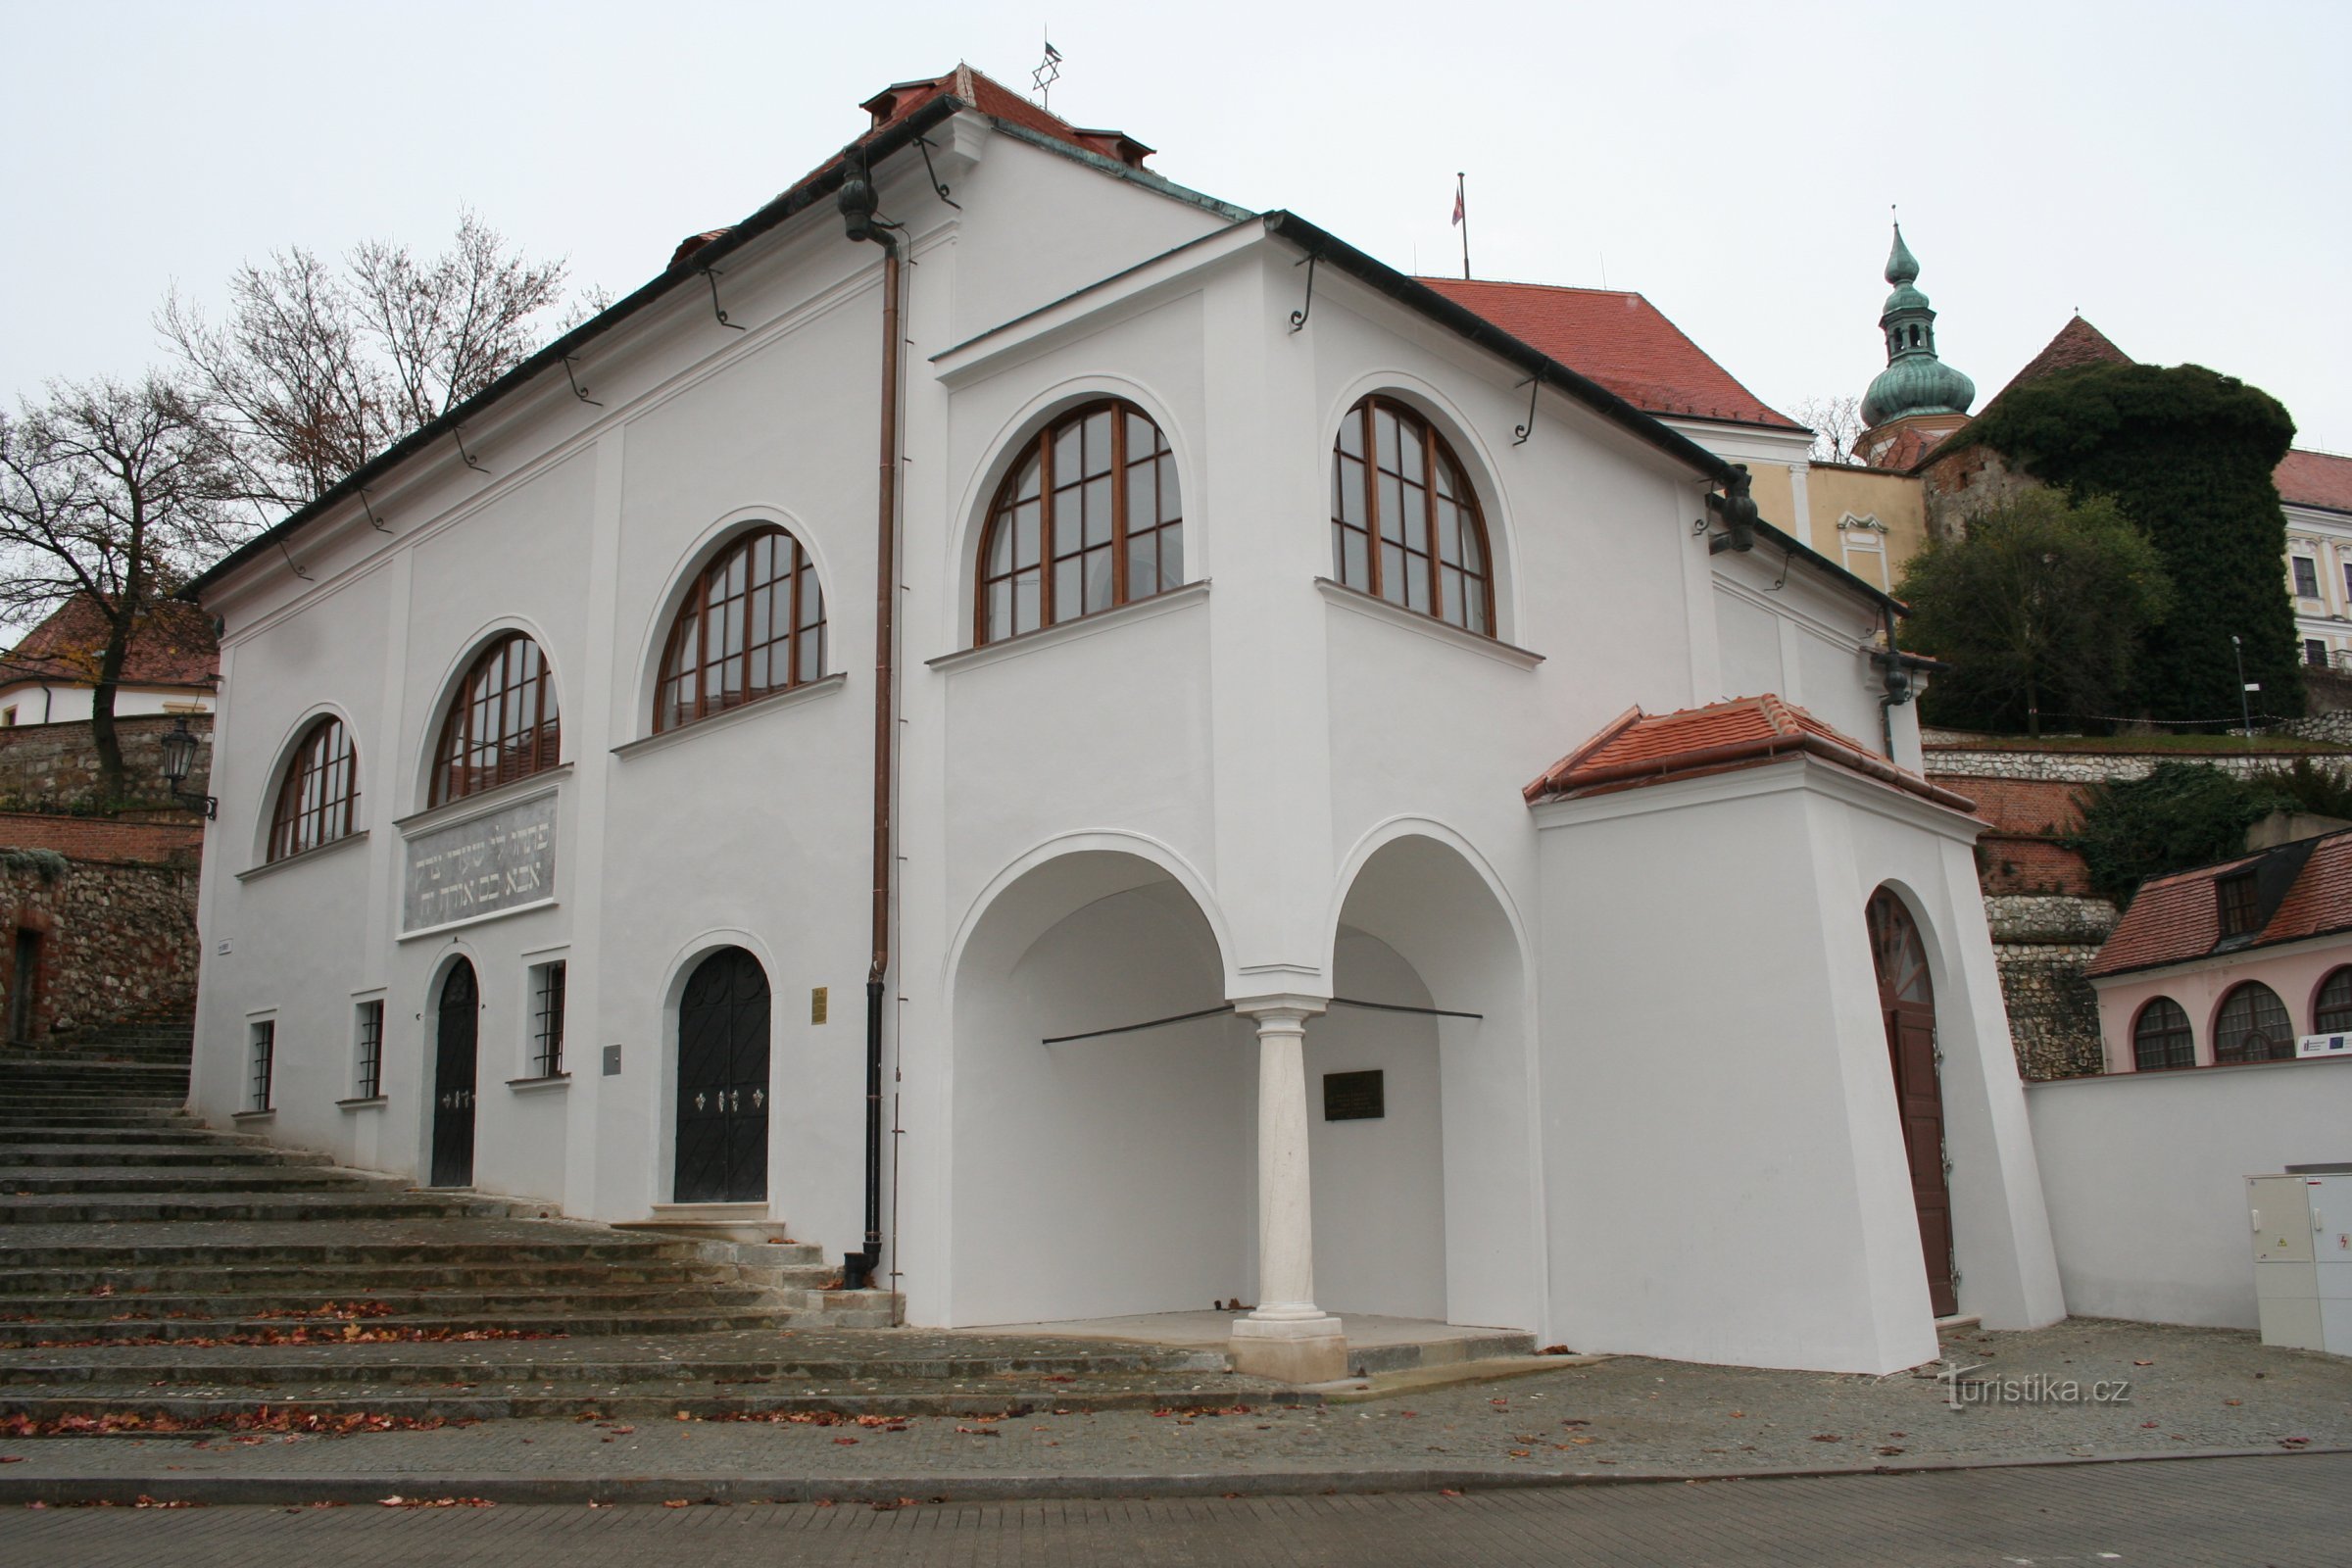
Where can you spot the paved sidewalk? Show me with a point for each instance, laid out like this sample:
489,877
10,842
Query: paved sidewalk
2190,1391
2197,1514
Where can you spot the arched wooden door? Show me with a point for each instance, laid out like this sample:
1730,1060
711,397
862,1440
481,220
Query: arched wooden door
1907,1002
722,1082
457,1039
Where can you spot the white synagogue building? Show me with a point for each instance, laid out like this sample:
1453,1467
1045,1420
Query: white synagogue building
759,763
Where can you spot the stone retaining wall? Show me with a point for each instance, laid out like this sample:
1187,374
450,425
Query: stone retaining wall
2092,768
107,941
58,764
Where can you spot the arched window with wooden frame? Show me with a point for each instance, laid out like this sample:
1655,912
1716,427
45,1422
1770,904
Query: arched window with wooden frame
2331,1011
1406,524
2252,1026
502,722
1090,518
753,624
2161,1037
317,801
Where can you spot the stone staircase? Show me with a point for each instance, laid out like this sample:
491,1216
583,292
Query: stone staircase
161,1272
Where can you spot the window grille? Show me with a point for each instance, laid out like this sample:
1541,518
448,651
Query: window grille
2161,1037
367,1075
547,1020
265,1050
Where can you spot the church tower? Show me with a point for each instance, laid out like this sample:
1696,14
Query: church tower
1917,399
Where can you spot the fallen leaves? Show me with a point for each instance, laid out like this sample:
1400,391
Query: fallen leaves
436,1502
262,1419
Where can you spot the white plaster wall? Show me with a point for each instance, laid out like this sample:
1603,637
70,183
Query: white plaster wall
66,704
2143,1174
1379,1185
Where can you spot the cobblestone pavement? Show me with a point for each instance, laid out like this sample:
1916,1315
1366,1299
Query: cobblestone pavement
2190,1514
2192,1390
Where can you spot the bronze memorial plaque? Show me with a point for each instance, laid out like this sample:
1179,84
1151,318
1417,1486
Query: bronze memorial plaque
1355,1096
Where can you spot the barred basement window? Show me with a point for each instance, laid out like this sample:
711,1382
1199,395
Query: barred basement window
318,800
264,1051
1405,522
367,1066
2253,1026
753,624
2331,1014
2161,1037
547,1020
502,725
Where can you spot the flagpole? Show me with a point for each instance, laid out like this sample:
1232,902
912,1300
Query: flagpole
1461,204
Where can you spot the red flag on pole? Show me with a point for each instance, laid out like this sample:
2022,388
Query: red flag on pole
1457,206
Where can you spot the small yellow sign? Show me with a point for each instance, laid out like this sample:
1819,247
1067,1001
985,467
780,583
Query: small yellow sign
817,1001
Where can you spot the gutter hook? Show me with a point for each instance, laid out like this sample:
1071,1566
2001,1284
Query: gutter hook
1520,434
712,274
1298,317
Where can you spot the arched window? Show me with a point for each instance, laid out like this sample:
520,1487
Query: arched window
1090,518
2331,1014
1404,522
2160,1037
2253,1026
753,624
502,725
317,801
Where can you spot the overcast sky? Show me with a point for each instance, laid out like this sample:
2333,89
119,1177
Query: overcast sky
2177,172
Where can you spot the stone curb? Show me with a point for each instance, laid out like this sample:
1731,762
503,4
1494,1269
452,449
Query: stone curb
295,1490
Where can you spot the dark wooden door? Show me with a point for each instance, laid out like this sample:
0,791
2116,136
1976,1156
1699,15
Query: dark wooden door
455,1055
1907,1002
722,1082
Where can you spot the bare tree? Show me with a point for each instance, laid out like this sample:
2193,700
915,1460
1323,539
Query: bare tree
1837,425
312,370
109,491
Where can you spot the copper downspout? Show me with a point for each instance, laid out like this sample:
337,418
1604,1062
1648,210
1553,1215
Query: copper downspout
857,207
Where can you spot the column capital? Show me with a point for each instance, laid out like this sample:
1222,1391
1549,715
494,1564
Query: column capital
1280,1005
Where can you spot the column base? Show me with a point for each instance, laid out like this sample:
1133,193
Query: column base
1302,1349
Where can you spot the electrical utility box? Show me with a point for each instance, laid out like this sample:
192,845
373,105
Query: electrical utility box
2302,1234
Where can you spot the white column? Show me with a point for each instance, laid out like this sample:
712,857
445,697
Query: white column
1286,1336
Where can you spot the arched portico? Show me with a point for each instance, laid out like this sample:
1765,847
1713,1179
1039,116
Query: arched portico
1109,1175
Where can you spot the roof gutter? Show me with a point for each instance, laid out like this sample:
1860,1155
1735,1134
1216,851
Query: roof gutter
1546,370
799,199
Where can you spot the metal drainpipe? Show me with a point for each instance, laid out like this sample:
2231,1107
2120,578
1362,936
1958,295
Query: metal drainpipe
857,208
1899,688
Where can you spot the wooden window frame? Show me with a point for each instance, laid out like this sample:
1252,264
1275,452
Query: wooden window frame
260,1064
803,595
2183,1045
2227,1052
1436,455
304,820
1040,448
2320,1006
514,755
2235,903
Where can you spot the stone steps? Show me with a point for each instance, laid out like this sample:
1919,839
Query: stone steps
74,1208
560,1321
170,1181
188,1135
160,1157
295,1309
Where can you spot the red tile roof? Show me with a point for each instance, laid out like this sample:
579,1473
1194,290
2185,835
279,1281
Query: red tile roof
2316,479
175,646
2175,918
1635,748
1619,341
2077,343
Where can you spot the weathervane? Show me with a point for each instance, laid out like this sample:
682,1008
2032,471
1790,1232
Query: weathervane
1046,74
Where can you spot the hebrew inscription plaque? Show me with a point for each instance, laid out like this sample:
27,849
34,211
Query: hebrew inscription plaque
481,867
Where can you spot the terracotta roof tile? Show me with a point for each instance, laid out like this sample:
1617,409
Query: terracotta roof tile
174,648
2316,479
1635,748
2175,918
2077,343
1618,339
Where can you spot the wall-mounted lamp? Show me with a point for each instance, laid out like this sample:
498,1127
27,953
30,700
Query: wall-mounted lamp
179,755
